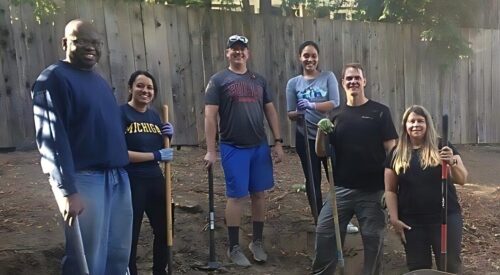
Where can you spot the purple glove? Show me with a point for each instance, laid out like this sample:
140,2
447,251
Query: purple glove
167,130
304,104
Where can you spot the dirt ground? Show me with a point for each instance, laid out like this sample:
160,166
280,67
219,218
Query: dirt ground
31,237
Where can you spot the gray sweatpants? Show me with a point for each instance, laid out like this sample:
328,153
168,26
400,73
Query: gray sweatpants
372,220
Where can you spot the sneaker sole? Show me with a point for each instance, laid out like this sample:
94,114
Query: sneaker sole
255,258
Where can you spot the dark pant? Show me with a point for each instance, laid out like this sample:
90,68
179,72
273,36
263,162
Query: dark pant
316,170
423,240
368,210
148,195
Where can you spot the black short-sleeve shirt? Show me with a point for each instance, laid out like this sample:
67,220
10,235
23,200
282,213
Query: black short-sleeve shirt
419,192
358,142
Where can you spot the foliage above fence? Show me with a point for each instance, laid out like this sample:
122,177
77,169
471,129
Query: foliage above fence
440,19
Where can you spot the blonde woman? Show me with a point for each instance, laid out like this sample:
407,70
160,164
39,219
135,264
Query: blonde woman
413,192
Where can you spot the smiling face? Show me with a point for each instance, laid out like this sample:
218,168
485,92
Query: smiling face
142,90
309,59
82,44
354,82
237,55
416,127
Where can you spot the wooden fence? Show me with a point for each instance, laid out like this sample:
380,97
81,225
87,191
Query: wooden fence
183,47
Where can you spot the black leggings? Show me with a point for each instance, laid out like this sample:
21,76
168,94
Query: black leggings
316,169
422,240
148,195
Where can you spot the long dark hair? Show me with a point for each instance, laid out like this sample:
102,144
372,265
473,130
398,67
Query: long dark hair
134,76
302,47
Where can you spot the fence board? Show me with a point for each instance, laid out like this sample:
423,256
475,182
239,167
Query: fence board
337,52
487,93
184,47
458,101
118,35
325,41
21,35
495,84
410,65
9,83
137,35
292,66
474,94
182,91
155,37
279,76
197,79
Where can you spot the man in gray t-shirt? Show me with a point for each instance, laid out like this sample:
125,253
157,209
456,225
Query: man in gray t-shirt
240,99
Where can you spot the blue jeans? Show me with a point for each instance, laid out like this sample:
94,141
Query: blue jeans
105,223
372,220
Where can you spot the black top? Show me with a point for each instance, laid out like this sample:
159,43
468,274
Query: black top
419,192
143,134
358,141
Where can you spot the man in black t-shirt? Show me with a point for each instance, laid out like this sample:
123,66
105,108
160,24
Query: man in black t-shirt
363,133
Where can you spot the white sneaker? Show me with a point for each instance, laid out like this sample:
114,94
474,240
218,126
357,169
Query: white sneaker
237,256
352,229
257,249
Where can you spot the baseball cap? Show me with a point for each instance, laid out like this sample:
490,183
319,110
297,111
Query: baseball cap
236,38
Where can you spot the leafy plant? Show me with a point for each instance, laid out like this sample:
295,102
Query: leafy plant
441,21
42,8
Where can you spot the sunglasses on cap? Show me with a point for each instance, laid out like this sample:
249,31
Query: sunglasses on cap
241,38
236,38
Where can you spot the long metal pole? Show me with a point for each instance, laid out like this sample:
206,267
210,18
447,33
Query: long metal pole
444,199
333,195
77,241
310,178
212,262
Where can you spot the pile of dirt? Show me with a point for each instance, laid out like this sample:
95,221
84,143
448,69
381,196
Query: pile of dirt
481,238
32,237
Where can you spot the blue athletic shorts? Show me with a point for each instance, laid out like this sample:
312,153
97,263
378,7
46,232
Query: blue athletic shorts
247,170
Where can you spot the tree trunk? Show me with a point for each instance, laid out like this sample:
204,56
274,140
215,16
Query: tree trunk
265,6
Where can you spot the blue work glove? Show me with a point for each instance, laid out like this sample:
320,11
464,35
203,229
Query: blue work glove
304,104
165,154
167,130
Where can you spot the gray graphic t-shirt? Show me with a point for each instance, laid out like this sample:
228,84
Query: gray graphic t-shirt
321,89
241,99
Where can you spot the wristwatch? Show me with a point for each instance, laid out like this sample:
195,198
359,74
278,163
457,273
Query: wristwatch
280,140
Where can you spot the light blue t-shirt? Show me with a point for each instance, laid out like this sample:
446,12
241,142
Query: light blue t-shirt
320,89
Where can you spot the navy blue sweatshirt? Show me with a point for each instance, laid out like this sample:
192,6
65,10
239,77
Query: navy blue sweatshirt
77,123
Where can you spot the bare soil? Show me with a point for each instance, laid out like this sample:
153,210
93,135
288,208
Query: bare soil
32,238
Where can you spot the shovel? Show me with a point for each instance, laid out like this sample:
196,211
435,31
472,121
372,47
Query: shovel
212,264
76,239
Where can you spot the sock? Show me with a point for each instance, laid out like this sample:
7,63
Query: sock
234,236
258,228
